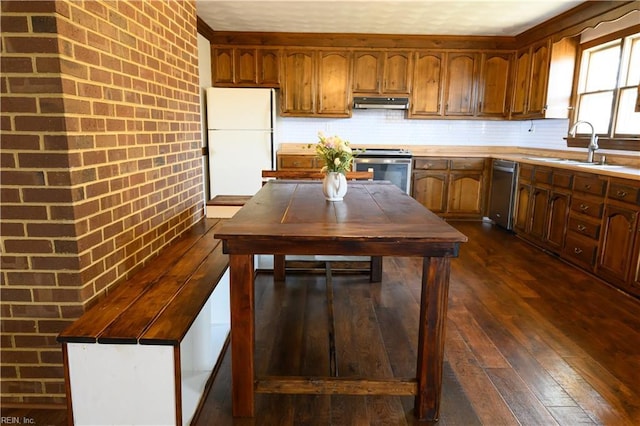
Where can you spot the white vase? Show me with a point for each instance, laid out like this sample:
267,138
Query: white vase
334,186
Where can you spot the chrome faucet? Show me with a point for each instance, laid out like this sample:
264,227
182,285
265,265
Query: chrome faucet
593,143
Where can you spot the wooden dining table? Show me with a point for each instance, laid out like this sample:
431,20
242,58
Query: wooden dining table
375,218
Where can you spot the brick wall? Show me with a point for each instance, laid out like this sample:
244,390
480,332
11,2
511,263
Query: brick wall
101,164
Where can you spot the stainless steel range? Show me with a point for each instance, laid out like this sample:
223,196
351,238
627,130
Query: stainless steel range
393,165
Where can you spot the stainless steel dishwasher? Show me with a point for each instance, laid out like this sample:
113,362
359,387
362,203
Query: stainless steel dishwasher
503,189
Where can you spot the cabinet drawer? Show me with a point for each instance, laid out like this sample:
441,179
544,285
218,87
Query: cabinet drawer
526,172
582,250
542,175
431,164
297,162
579,225
561,179
467,164
590,184
590,208
624,192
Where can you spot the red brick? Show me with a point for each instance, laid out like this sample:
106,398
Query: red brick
35,311
18,104
10,325
30,44
8,372
12,229
69,279
36,85
44,24
23,212
52,195
22,178
47,295
28,6
31,278
41,372
52,357
21,386
14,24
52,229
28,246
15,294
40,123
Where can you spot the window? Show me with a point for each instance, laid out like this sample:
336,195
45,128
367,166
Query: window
607,88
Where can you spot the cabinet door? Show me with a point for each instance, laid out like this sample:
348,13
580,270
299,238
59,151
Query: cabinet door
396,75
557,220
246,66
614,261
298,86
634,278
538,220
222,66
523,195
426,94
334,71
493,85
460,84
367,68
268,67
521,82
539,77
430,190
465,194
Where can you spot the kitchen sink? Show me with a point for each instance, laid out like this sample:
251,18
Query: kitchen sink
575,162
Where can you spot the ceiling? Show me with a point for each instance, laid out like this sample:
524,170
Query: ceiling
421,17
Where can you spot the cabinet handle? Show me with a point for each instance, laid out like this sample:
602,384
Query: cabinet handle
581,227
587,186
577,250
584,207
621,193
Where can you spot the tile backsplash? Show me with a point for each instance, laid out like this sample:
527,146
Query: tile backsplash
389,127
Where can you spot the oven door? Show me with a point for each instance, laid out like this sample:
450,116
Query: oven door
395,170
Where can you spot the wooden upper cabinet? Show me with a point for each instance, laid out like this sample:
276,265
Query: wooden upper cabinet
222,65
397,73
382,72
316,83
543,78
298,83
493,85
367,69
522,65
268,67
334,81
426,94
460,91
245,67
539,75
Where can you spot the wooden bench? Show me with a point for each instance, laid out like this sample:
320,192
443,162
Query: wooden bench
225,206
145,352
281,264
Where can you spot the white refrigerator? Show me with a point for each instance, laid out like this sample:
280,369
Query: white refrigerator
240,143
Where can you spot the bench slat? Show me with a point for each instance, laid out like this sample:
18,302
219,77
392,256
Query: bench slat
173,323
132,323
93,322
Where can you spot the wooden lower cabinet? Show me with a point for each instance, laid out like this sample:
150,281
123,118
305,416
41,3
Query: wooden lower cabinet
558,210
451,187
430,189
618,258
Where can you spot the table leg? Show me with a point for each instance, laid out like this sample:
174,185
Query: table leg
242,334
433,318
279,267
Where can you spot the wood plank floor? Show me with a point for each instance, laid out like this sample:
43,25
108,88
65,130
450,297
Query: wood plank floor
530,341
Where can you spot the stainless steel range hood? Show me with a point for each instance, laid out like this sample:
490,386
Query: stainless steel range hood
361,102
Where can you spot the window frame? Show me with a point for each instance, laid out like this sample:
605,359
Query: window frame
611,140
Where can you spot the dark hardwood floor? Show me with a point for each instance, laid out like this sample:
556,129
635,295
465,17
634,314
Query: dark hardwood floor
530,341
